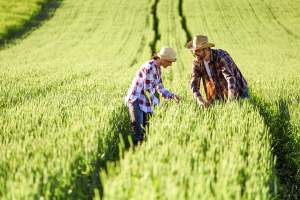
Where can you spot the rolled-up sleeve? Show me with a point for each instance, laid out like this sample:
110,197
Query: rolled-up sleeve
195,79
227,65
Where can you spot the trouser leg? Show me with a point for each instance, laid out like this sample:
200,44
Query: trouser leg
137,120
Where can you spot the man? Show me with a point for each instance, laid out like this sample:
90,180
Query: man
220,76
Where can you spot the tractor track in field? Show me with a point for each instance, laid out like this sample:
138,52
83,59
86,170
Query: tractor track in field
183,22
155,27
283,147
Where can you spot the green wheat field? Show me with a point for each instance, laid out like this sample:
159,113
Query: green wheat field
65,131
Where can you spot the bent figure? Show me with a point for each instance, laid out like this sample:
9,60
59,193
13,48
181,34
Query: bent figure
220,76
146,80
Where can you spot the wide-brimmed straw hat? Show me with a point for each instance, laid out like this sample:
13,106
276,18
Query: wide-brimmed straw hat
199,42
168,54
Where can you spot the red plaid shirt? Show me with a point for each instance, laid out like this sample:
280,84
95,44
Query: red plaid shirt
148,77
225,75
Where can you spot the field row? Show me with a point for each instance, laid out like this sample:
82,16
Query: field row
264,43
252,41
219,150
63,115
59,89
15,15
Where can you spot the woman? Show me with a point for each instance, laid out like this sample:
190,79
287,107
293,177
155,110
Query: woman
146,80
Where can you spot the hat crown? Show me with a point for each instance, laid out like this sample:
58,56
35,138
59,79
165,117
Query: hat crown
167,53
200,40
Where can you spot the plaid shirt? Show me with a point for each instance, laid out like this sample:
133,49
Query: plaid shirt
148,78
225,75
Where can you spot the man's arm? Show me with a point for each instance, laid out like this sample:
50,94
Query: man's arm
195,83
231,94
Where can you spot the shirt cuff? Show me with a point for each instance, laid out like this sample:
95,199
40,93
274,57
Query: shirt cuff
172,96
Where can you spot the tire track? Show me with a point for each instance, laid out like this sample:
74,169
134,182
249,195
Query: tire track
283,146
183,22
155,27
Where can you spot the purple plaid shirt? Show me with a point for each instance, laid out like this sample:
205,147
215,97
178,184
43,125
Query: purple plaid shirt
225,75
148,77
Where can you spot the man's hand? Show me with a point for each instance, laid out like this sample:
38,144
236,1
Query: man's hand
177,99
202,103
231,94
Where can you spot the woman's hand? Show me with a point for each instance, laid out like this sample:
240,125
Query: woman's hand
177,99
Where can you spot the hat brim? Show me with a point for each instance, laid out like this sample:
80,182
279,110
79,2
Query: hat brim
190,46
166,58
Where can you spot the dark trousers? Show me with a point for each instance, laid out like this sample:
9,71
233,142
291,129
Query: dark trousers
138,119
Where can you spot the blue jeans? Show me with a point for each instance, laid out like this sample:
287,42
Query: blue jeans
138,118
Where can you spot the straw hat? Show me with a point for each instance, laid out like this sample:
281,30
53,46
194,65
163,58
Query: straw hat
199,42
168,54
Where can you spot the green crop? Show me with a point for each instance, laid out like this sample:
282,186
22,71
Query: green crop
15,15
61,95
65,131
263,40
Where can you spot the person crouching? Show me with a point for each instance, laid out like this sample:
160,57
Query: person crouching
220,76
